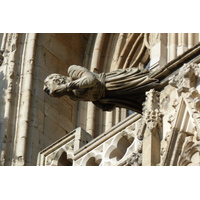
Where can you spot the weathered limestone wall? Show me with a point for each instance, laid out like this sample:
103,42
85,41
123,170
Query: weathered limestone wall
53,118
30,120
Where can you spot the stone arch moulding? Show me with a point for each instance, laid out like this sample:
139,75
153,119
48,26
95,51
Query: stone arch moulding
55,159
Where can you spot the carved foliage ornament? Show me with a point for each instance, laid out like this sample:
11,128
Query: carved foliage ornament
136,157
134,160
185,78
151,114
151,109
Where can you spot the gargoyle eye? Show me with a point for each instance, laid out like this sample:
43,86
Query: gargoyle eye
56,81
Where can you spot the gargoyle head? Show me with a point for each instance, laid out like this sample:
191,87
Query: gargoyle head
56,85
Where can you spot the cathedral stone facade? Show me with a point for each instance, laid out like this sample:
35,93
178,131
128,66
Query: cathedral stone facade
36,129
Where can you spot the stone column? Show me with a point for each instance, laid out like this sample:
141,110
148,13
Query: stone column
156,42
90,126
190,40
9,47
182,43
24,102
172,46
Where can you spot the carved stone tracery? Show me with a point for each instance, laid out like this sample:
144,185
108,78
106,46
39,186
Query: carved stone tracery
182,141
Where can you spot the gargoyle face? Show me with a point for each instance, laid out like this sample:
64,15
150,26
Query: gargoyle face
55,85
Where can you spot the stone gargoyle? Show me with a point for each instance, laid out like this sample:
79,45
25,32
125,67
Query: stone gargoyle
121,88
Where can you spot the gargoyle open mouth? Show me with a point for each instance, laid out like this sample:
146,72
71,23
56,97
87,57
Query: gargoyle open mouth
57,93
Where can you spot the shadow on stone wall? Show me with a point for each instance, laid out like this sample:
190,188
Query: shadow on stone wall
3,120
